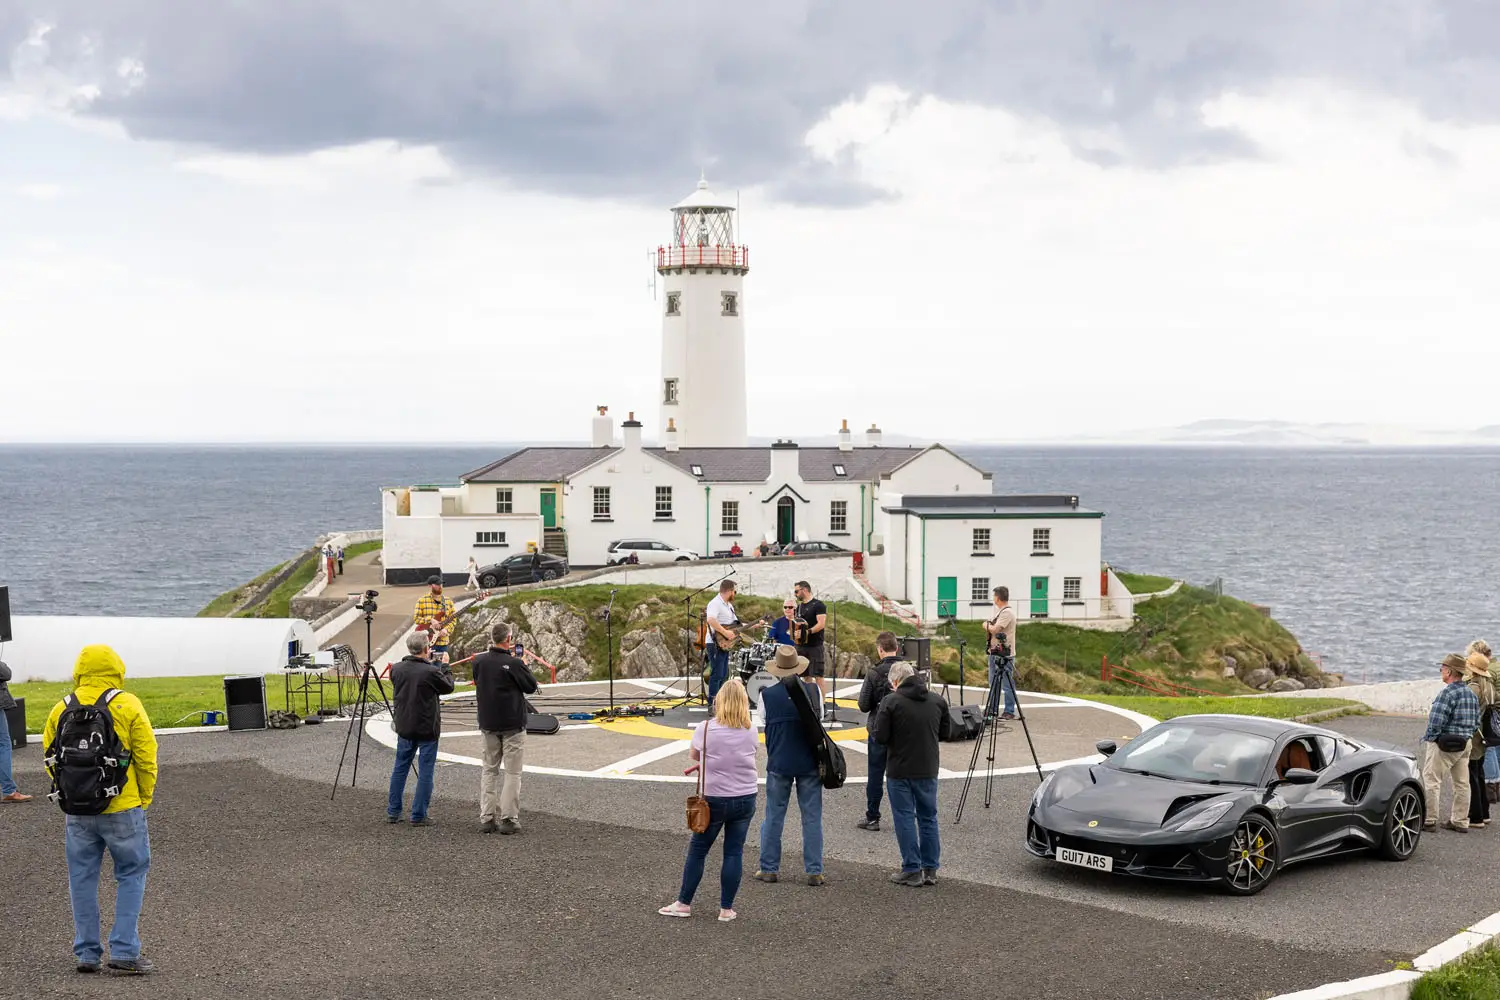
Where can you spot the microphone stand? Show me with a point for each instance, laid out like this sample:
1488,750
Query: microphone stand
962,648
609,645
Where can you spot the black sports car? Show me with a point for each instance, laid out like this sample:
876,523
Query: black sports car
517,569
1227,799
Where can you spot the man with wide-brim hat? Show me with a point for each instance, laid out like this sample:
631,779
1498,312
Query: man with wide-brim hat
790,762
1477,677
1451,725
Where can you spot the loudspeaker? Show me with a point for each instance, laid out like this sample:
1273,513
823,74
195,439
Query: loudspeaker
917,649
5,635
961,727
16,719
245,702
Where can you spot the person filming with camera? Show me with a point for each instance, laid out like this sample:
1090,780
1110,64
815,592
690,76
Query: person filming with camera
501,684
1001,630
416,684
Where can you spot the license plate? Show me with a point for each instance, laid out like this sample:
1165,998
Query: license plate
1098,862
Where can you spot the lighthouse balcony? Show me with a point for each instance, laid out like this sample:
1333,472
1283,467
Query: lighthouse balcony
729,257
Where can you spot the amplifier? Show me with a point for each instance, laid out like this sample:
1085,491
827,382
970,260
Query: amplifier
245,702
918,650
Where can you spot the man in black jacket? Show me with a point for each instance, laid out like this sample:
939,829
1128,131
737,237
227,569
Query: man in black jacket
501,684
876,686
417,682
910,722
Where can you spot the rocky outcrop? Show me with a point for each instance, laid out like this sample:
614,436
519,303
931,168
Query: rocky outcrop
644,653
557,635
846,662
1260,678
1285,684
639,613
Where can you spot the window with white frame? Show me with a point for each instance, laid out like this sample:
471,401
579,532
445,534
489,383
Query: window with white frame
981,539
729,517
664,503
1041,539
979,589
504,502
674,303
1072,588
601,501
669,391
489,538
838,516
731,304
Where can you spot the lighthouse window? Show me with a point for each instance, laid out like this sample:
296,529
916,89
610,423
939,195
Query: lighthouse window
674,303
669,391
731,304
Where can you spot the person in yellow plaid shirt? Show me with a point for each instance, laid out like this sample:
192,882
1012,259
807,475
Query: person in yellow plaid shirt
434,615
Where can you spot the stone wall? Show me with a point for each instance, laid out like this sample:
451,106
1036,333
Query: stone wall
281,576
769,577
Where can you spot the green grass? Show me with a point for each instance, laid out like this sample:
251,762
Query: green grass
167,699
1476,976
278,602
1140,583
221,606
1270,708
360,548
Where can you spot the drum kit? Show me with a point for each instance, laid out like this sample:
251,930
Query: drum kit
750,664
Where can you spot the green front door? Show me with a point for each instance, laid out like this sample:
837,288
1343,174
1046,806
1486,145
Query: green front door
786,521
1039,597
947,597
549,508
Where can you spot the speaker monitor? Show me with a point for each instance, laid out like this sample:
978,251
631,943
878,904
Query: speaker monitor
918,650
245,702
16,718
5,635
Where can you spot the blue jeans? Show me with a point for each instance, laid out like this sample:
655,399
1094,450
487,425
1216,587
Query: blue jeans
7,781
731,814
1007,686
914,809
875,782
426,755
718,670
809,805
1492,764
124,835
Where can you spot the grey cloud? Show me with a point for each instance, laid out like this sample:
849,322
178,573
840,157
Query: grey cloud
595,97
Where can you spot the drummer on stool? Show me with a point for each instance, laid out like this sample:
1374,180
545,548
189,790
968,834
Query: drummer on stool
781,628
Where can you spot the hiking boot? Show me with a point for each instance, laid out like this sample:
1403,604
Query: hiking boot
1455,827
393,819
488,826
929,876
424,821
1007,716
509,826
87,967
869,824
908,878
140,966
767,876
815,879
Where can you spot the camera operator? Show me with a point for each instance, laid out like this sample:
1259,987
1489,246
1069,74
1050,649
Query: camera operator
1002,650
501,684
876,686
417,718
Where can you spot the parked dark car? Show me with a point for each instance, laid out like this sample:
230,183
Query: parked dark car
517,569
1227,799
811,548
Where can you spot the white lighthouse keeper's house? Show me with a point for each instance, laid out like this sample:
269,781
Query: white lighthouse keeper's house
703,325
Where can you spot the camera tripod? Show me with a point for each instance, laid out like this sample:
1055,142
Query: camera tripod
1004,674
362,704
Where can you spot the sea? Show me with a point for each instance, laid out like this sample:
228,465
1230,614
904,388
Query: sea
1378,560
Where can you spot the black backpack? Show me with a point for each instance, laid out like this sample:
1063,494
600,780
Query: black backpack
1489,725
87,761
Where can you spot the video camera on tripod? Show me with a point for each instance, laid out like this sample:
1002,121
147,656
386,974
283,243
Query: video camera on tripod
366,602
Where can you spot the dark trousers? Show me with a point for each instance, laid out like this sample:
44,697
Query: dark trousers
1479,803
874,784
718,670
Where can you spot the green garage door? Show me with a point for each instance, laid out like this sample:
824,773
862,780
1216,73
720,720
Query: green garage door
947,597
1039,597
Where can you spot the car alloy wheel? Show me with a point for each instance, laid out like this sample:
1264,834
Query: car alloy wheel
488,580
549,574
1252,857
1403,825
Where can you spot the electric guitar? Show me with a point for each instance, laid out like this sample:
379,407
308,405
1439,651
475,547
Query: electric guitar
731,636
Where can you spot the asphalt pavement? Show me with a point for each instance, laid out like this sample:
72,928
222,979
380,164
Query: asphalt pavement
261,883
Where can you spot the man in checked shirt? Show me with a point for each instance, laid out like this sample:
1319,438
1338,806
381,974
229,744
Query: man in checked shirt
1450,726
434,615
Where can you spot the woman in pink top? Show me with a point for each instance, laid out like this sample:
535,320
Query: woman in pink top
729,785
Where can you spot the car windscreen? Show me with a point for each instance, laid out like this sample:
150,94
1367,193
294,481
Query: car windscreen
1196,753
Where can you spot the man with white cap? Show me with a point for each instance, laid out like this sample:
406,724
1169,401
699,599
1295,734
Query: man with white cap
790,762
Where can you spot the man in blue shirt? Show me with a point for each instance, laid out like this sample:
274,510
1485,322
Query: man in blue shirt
1450,726
781,628
790,761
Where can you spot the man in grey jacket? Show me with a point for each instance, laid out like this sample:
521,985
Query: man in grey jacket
9,792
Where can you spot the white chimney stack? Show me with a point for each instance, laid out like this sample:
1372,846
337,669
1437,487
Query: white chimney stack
872,436
671,434
604,429
631,433
846,440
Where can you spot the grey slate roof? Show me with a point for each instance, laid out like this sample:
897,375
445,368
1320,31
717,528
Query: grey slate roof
864,464
974,505
815,465
538,465
720,465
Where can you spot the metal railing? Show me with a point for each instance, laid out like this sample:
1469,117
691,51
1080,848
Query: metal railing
731,255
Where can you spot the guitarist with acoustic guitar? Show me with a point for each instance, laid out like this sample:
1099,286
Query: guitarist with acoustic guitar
721,619
434,615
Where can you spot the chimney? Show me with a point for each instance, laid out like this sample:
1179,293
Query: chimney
846,440
785,463
671,434
872,436
631,433
604,429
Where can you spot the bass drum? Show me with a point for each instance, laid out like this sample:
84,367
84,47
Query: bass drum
757,683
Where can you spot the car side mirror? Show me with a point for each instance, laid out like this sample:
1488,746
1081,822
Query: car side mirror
1299,776
1106,747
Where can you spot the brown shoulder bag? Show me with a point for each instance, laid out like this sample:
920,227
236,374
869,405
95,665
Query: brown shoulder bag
697,805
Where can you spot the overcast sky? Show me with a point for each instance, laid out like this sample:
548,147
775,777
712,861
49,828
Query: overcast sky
370,220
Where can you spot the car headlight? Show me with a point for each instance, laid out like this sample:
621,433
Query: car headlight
1208,817
1041,789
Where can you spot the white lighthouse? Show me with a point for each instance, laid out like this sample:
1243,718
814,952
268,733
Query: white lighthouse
703,269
